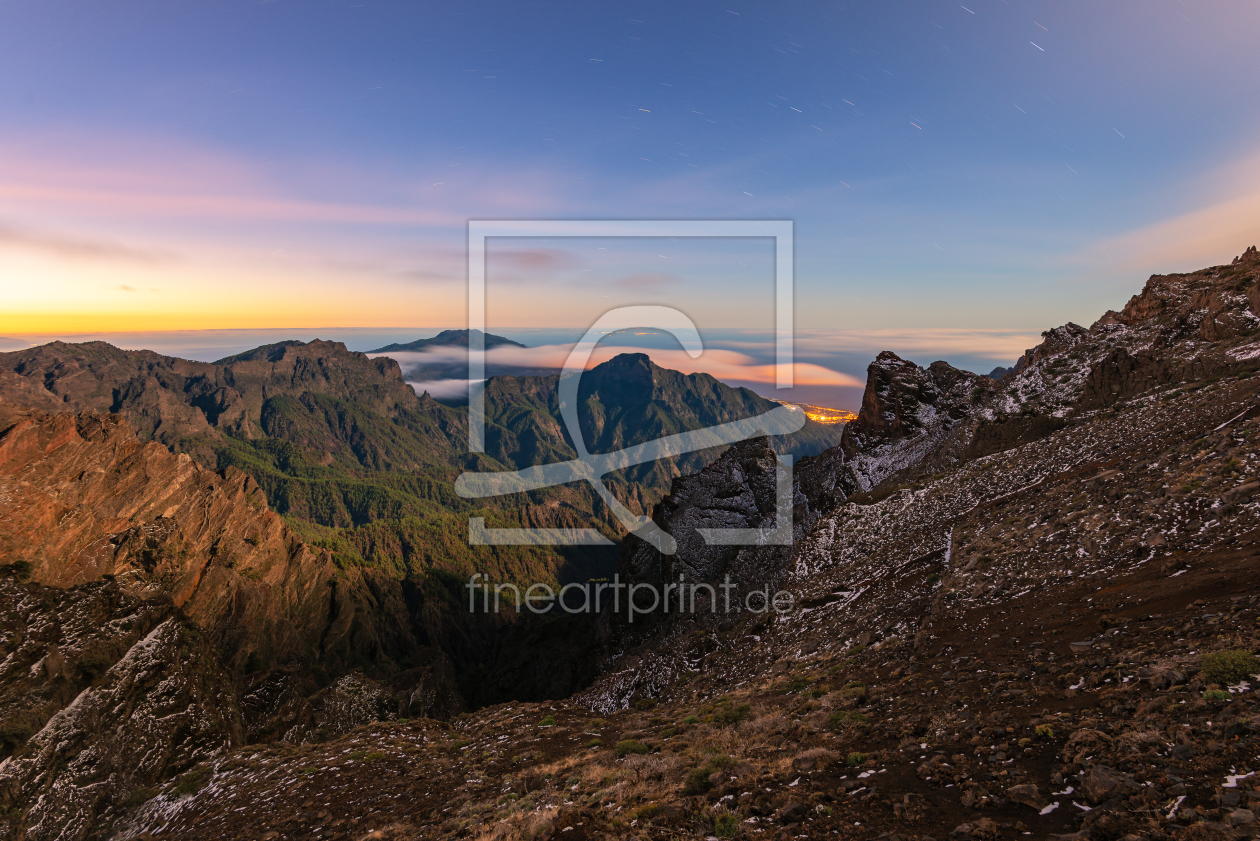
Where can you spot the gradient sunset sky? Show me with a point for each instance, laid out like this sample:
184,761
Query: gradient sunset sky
981,170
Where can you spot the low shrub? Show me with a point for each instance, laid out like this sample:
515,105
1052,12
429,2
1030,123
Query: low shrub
793,684
629,746
697,779
846,717
853,691
1229,666
725,825
731,714
644,813
140,795
193,781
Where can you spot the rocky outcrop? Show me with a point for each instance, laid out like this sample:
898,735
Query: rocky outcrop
909,414
738,491
150,699
1122,375
995,436
1055,341
1214,304
1174,315
901,400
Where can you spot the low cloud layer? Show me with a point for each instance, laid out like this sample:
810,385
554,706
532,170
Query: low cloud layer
442,389
726,365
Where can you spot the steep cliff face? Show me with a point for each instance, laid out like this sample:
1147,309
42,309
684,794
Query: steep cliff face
85,499
156,612
900,399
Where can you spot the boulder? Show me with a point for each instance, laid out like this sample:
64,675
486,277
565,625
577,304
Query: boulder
1027,795
1241,817
1101,783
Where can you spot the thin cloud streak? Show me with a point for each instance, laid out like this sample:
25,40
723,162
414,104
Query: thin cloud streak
1191,240
1225,223
165,178
441,389
234,207
78,248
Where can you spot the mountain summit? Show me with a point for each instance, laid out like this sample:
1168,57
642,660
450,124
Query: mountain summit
447,338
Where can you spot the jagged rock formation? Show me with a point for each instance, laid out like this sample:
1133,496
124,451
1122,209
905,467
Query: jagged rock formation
737,491
85,499
908,414
122,694
1055,341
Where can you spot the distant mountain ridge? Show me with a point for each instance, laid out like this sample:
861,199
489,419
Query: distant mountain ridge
448,338
321,427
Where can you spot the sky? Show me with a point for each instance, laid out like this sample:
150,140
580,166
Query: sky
959,177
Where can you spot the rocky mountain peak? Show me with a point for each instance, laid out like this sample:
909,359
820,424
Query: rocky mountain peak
1214,304
291,348
902,399
637,367
632,386
1055,341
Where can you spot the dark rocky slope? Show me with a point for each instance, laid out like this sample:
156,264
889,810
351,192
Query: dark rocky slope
1024,608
